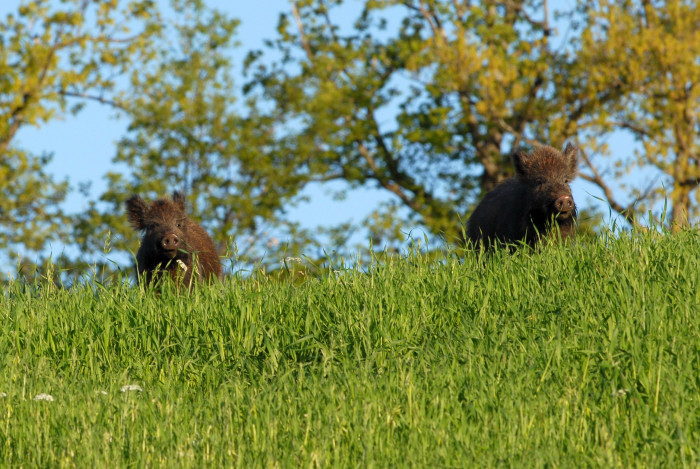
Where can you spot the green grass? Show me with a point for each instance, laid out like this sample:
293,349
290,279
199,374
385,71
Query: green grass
576,356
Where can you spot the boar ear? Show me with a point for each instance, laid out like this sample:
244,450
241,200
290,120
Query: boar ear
520,161
179,200
136,212
571,156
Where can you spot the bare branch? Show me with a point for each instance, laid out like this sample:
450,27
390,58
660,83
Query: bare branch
302,35
99,99
329,177
385,182
328,21
626,211
631,126
432,19
518,7
460,9
518,135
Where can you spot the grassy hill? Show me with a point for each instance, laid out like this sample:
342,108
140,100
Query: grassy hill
575,356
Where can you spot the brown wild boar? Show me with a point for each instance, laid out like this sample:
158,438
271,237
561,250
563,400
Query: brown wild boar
171,242
528,205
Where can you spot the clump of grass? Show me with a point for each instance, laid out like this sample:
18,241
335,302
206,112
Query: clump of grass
579,355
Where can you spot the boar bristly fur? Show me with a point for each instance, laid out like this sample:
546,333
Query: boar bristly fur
534,203
171,242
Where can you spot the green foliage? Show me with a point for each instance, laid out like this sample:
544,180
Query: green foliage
30,202
423,100
50,53
577,356
187,133
646,54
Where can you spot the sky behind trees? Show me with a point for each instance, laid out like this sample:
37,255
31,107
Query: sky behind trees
84,147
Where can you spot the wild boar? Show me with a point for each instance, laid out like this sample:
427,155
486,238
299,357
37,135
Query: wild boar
171,242
534,203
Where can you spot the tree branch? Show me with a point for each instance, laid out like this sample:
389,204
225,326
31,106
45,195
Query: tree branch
329,24
385,182
329,177
460,9
518,7
632,127
302,35
626,211
99,99
518,135
16,121
432,19
16,115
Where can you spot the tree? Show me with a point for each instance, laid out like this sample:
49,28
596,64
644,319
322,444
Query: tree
648,51
50,54
422,98
187,132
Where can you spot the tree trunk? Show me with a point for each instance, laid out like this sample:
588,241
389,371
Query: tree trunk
680,198
495,167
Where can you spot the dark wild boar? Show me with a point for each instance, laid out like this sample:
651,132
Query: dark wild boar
171,242
528,205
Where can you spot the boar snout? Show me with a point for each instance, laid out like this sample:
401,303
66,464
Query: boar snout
564,204
170,242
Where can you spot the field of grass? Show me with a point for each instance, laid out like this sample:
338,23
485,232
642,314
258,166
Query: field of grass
577,356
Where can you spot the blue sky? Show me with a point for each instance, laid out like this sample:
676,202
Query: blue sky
84,145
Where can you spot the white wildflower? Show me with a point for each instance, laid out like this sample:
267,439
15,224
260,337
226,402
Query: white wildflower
43,397
182,265
3,394
620,392
99,391
131,387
